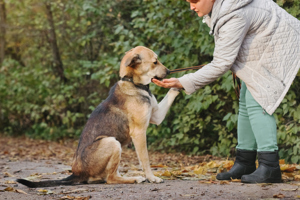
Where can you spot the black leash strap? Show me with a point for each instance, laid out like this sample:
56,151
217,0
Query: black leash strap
185,69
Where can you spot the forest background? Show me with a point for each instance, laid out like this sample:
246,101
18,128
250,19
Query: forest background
60,57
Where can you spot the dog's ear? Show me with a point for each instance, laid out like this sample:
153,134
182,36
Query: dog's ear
133,60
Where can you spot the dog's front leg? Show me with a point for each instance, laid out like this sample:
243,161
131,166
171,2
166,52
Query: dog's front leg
140,144
159,111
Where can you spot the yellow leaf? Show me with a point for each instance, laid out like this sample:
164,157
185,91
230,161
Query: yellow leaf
43,191
10,182
228,164
224,182
200,170
297,178
213,178
235,180
8,174
282,161
287,168
176,173
166,173
9,189
212,164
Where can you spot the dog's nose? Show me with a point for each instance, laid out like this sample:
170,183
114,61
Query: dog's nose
168,72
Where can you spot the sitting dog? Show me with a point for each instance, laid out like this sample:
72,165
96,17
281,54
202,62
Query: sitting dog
122,117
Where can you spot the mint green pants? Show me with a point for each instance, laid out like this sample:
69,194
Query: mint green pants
257,129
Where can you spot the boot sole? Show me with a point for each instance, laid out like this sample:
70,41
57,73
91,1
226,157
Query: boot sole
264,181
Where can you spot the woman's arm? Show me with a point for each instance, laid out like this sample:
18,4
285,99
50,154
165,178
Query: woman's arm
230,39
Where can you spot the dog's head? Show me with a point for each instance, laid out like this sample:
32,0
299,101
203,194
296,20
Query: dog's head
141,64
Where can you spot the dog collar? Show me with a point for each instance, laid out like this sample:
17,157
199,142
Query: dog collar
143,87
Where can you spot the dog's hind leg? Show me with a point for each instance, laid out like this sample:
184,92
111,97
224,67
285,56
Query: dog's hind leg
111,145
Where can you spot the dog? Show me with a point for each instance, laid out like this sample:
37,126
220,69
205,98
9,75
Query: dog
123,117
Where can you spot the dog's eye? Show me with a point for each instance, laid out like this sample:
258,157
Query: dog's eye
155,63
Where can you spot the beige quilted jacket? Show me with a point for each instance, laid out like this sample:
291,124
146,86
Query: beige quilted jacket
257,40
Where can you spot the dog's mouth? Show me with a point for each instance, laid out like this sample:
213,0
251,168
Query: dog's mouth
158,78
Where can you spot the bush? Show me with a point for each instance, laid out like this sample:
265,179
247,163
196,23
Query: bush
92,37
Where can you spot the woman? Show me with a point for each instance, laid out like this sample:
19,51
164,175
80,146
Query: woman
260,43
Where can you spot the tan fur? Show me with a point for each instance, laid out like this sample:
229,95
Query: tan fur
102,157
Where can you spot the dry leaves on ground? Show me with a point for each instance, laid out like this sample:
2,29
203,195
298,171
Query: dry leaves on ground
166,166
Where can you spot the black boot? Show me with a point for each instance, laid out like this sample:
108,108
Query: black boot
244,164
268,170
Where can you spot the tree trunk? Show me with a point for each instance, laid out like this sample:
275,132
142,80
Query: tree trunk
57,63
2,30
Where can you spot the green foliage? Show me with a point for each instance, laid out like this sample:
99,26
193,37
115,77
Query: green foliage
92,37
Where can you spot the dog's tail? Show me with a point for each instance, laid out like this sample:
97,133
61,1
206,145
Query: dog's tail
70,180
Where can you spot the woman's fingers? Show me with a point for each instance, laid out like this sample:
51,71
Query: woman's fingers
168,83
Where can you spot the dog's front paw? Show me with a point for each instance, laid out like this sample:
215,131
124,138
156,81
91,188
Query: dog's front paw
154,179
140,179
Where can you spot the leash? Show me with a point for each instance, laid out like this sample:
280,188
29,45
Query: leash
236,80
185,69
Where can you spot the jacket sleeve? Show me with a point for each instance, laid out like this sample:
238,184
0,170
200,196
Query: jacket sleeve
230,38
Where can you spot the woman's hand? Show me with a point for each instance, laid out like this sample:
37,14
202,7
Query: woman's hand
168,83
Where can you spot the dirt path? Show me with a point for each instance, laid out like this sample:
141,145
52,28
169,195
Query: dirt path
40,160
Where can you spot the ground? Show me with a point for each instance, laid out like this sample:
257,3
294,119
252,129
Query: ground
186,177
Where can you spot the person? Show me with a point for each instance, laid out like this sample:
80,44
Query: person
259,42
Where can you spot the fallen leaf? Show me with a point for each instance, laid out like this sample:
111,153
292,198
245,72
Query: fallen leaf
287,168
200,170
20,191
67,197
297,178
176,173
212,164
224,182
30,178
9,189
227,164
281,161
10,182
235,180
208,182
213,178
278,196
166,173
6,174
295,189
44,192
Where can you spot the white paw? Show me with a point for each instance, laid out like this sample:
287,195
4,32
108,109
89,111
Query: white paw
154,179
140,179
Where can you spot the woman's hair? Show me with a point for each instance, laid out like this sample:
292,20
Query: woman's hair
192,1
